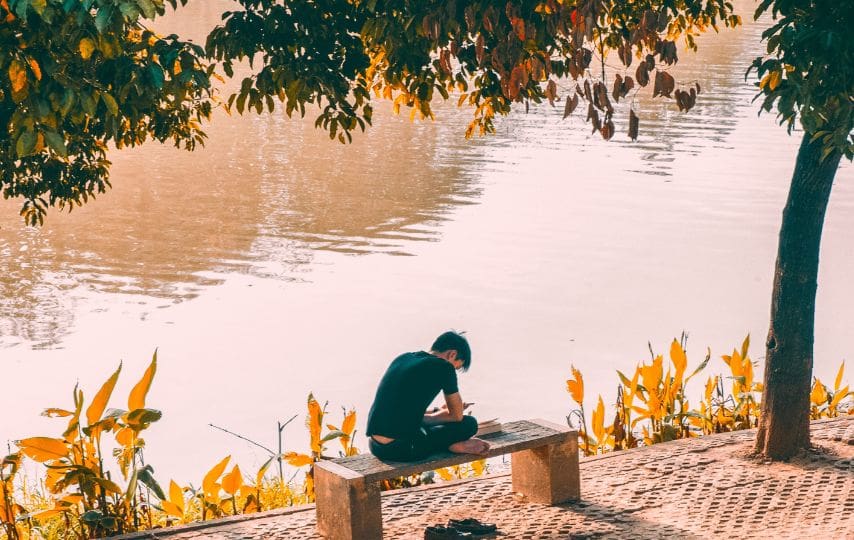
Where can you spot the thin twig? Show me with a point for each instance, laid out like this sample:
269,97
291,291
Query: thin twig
259,445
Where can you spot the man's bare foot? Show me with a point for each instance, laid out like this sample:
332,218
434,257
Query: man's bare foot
470,446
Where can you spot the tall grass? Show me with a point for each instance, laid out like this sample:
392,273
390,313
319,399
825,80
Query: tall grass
78,495
652,406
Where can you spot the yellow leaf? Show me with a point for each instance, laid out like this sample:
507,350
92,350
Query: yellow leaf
629,396
49,513
99,402
124,436
52,476
17,76
37,71
445,474
819,394
87,47
838,381
54,412
735,364
655,409
748,374
349,422
575,386
651,374
171,509
73,498
680,361
710,387
298,460
108,485
136,399
176,497
598,421
43,449
838,396
745,345
209,484
315,422
233,481
259,477
774,81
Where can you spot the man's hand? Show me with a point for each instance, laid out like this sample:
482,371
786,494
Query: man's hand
452,411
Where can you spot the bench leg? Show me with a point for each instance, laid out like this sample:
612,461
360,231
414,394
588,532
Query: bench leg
347,508
548,474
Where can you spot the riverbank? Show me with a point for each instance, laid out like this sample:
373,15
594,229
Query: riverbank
692,488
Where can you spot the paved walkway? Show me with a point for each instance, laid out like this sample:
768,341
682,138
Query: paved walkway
697,488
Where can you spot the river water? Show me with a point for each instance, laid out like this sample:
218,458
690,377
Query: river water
274,263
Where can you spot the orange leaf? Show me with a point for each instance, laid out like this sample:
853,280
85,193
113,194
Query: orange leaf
349,422
680,361
37,71
17,76
176,498
315,422
575,386
599,421
136,399
209,484
99,402
43,449
298,460
233,481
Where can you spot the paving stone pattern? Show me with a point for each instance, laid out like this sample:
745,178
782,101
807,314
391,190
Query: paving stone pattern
698,488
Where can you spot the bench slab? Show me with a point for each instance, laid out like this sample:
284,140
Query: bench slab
513,437
544,467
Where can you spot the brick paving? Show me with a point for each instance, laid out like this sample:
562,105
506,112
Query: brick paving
696,488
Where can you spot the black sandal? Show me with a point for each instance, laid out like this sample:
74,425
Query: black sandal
473,526
441,532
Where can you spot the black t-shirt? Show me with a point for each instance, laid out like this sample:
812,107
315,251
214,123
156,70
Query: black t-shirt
408,387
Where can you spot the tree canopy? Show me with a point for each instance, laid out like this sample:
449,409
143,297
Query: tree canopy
76,75
81,74
809,71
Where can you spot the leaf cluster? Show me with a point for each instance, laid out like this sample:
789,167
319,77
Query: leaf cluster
82,490
808,72
76,75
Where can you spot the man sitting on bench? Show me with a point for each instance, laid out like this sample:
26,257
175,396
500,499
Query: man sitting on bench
399,426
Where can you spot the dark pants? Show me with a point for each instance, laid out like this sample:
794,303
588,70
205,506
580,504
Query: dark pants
427,440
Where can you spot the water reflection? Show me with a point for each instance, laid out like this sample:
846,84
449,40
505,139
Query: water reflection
269,194
263,197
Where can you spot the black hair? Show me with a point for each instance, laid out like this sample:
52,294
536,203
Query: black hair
454,341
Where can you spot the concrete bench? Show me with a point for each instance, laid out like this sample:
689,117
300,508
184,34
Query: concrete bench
544,465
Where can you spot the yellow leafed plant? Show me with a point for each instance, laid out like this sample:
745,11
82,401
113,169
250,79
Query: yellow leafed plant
78,482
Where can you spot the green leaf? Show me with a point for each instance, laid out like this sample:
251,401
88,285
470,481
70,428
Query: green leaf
38,5
56,142
140,419
102,19
332,435
156,75
146,476
26,143
111,104
92,516
20,7
147,7
131,485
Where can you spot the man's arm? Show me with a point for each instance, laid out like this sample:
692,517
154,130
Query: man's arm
452,412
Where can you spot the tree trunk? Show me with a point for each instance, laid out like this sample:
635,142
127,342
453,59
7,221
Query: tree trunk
784,424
